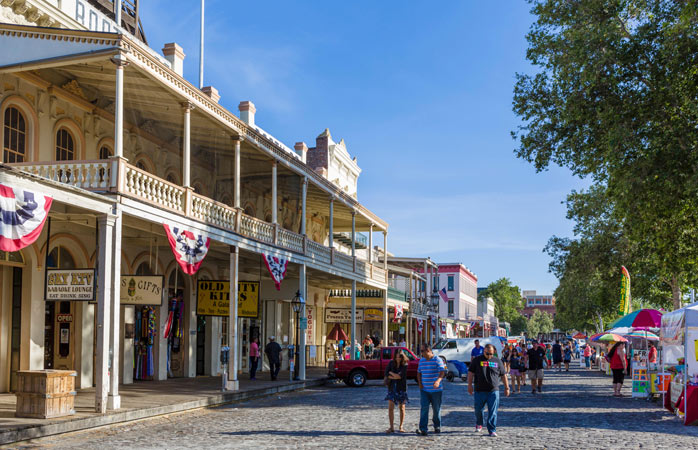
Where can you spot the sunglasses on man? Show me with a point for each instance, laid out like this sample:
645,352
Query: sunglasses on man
489,354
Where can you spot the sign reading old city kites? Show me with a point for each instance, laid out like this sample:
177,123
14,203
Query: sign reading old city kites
213,298
342,315
141,290
72,284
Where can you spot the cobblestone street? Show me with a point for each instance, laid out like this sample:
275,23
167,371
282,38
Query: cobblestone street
574,411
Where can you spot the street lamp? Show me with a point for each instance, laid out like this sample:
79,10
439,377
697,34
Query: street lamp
434,298
298,304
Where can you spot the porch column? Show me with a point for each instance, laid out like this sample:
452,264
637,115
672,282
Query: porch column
186,156
236,185
370,245
353,319
120,62
331,243
303,332
232,383
385,251
114,279
353,234
304,201
104,272
274,194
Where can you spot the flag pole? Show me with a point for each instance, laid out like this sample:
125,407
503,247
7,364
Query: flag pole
201,49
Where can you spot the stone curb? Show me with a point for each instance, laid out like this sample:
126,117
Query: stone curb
39,431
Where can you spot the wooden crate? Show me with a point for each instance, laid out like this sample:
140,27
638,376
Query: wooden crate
45,394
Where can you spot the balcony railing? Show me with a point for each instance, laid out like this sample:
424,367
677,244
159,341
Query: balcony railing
116,176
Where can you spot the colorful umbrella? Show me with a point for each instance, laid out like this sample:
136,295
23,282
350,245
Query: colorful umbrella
609,337
642,318
337,334
642,335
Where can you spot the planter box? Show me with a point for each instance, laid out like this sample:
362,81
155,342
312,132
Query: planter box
44,394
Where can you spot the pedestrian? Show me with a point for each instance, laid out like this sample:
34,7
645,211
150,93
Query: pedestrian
254,358
549,355
273,352
430,372
535,367
506,357
368,346
357,350
616,356
403,343
557,355
567,357
486,370
396,381
477,350
652,355
587,356
514,369
576,349
523,366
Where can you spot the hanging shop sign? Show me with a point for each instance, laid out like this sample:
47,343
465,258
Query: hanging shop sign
213,298
373,315
342,315
68,285
141,290
310,315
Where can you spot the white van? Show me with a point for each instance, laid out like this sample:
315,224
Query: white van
459,349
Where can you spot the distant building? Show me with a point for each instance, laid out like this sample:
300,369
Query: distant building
534,302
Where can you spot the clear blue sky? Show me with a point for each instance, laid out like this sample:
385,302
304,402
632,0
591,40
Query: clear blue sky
420,91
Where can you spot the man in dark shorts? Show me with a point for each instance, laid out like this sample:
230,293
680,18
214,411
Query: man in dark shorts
536,355
557,355
486,370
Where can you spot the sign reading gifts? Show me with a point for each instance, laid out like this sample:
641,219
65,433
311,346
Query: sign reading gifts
73,284
213,298
141,290
342,315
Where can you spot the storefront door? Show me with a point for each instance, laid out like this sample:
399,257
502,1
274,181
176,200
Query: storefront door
201,344
16,325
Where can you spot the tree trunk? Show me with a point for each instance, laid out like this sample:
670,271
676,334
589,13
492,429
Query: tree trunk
675,293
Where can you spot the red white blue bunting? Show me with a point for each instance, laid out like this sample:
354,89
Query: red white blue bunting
277,268
420,325
22,217
189,249
398,313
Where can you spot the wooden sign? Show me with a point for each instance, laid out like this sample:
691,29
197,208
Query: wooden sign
213,298
141,290
70,285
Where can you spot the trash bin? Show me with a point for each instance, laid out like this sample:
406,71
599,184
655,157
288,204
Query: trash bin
44,394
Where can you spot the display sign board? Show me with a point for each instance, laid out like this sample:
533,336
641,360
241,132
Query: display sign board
141,290
213,298
342,315
70,284
373,315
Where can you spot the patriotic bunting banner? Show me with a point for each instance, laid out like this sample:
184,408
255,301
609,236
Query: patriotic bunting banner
433,323
22,217
420,325
189,249
277,269
443,327
397,316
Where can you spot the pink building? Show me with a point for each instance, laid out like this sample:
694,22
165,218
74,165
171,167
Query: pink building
461,289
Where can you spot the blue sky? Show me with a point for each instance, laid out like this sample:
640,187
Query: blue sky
420,91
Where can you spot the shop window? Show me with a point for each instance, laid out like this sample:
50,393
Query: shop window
14,136
65,145
12,258
60,258
450,283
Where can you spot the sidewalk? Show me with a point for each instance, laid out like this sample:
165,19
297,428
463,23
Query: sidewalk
145,399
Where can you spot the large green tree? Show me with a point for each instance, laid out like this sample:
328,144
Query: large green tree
507,299
539,323
614,98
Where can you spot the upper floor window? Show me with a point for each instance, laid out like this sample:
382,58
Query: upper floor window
15,136
450,282
65,145
435,284
450,307
105,152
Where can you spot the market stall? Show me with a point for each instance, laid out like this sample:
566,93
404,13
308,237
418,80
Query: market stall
679,337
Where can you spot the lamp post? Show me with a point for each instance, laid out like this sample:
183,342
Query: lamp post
298,305
435,304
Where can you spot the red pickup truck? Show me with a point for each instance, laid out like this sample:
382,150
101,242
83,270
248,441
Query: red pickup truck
356,372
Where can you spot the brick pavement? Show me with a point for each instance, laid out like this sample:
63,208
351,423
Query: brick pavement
574,411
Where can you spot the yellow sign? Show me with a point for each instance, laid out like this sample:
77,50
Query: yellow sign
373,314
141,290
213,298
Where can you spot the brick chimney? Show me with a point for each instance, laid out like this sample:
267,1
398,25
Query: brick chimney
175,55
302,150
247,111
211,92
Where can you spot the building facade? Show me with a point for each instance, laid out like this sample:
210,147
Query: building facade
123,144
537,302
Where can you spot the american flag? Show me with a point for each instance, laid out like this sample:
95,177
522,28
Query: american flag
443,295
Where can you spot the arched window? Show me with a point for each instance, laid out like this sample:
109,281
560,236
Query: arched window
141,165
60,258
15,136
144,269
105,152
65,145
172,178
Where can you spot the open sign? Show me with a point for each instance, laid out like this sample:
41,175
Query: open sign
64,318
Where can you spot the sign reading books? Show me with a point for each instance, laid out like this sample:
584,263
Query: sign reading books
70,284
141,290
213,298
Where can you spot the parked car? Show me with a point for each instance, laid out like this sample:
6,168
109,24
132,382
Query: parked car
460,349
357,372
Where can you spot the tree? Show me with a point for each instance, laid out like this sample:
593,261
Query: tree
614,100
507,303
540,323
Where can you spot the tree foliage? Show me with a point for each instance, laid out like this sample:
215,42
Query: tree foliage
507,303
615,100
540,323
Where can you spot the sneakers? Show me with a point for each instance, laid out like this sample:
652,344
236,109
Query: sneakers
493,434
421,433
540,389
478,428
437,430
